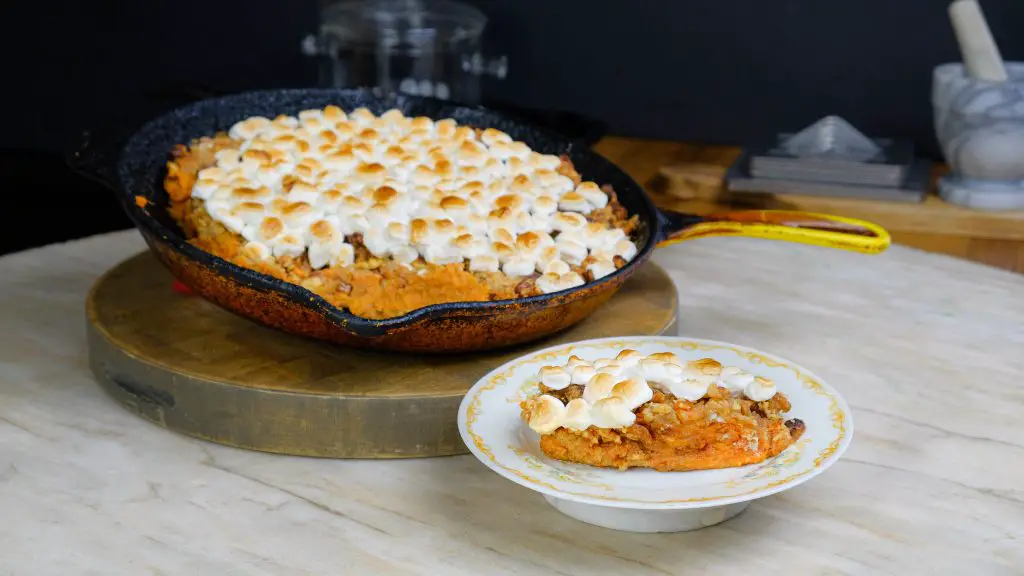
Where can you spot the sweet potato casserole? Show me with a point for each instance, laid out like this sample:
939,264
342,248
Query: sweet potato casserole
658,412
382,215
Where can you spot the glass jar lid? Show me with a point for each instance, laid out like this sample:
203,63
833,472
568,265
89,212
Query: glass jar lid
412,24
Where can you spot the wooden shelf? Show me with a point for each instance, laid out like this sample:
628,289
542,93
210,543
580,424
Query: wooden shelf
690,177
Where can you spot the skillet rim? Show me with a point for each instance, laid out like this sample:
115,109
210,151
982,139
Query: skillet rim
342,318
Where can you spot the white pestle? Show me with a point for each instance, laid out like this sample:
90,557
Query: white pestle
978,48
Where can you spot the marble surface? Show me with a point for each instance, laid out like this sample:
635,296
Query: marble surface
928,350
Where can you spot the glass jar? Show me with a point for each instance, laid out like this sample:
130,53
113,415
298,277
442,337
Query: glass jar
420,47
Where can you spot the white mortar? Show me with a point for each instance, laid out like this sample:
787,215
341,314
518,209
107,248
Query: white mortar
980,126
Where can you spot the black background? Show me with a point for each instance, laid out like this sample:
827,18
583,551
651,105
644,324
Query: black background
721,71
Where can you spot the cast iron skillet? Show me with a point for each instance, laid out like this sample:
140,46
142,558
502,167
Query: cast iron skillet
135,170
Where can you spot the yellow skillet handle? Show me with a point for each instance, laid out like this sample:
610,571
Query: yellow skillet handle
804,227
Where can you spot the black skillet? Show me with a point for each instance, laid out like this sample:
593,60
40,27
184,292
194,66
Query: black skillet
134,170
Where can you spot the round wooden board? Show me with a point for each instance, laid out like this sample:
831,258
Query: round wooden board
187,365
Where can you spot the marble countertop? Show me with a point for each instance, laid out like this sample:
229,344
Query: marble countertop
928,350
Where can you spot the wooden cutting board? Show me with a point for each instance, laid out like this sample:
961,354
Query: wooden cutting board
189,366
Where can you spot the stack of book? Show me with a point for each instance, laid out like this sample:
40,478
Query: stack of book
832,158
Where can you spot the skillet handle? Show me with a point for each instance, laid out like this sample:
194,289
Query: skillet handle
803,227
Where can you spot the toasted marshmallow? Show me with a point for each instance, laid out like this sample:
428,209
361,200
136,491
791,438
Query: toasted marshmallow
355,224
443,230
613,368
592,194
688,389
343,254
471,153
575,361
249,128
706,370
734,379
441,254
560,184
464,133
626,249
520,150
601,268
503,218
421,124
503,235
283,123
224,213
270,228
549,283
333,114
660,373
611,412
574,202
319,254
484,263
311,115
208,180
491,136
299,215
445,129
599,387
523,186
519,265
629,359
577,415
634,392
380,243
501,150
424,176
345,130
369,173
271,176
531,243
558,267
568,221
251,213
304,192
339,162
257,250
354,204
394,117
502,251
572,252
361,117
471,246
593,236
555,377
544,206
226,159
543,161
760,389
546,414
456,208
583,373
404,254
672,359
288,245
697,377
610,238
513,202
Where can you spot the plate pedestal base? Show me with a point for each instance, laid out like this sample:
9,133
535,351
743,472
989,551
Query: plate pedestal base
632,520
